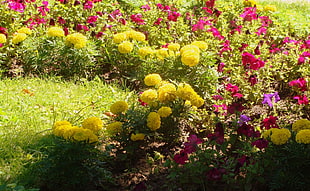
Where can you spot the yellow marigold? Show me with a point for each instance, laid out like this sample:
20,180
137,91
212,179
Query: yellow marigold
55,31
303,136
76,39
19,37
153,121
138,36
119,107
167,92
197,101
2,38
114,128
92,138
190,59
280,136
190,47
144,51
164,111
259,8
149,96
202,45
271,8
85,135
125,47
69,132
249,3
59,130
119,37
300,125
174,46
24,30
152,79
185,91
93,123
137,137
60,123
162,53
266,134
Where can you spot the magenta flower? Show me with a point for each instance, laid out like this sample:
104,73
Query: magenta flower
253,80
146,7
300,83
302,99
225,47
210,4
137,18
92,19
261,30
191,144
270,122
181,158
218,134
265,21
232,88
220,67
43,9
88,5
158,21
235,107
61,21
249,14
173,16
271,98
200,25
242,48
216,33
19,7
249,61
217,97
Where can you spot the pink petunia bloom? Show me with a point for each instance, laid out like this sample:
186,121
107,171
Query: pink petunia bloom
253,80
220,67
173,16
61,21
265,21
200,25
232,88
260,143
88,5
216,33
243,47
302,99
249,14
146,7
261,30
249,61
181,158
217,97
158,21
191,144
137,18
225,47
92,19
269,122
300,83
210,4
16,6
43,9
235,107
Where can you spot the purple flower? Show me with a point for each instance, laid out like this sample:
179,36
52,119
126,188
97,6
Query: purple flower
271,98
244,119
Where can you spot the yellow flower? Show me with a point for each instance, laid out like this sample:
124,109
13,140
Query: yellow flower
119,107
153,121
93,123
196,101
174,46
59,130
167,92
201,44
271,8
138,36
24,30
125,47
149,96
259,8
114,128
249,3
137,137
60,123
56,31
144,51
19,37
185,91
85,135
300,125
76,39
164,111
152,79
303,136
2,38
280,136
119,37
162,53
192,48
69,132
190,59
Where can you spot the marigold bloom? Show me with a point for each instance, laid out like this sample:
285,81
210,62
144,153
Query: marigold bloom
167,92
144,51
56,31
149,96
138,36
119,107
190,58
249,3
76,39
19,37
301,124
280,136
152,79
202,45
164,111
93,123
60,123
59,130
114,128
190,47
85,135
69,132
162,53
153,121
303,136
24,30
271,8
185,91
137,137
119,37
197,101
174,46
2,38
125,47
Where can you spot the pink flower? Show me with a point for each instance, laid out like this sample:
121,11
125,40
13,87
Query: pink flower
181,158
241,49
225,47
216,33
137,18
191,144
232,88
173,16
249,61
253,80
302,99
200,25
158,21
217,97
265,21
92,19
210,4
88,5
99,35
261,30
146,7
300,83
61,20
235,107
220,67
249,14
19,7
43,9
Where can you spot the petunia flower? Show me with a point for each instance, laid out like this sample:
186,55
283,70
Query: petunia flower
271,98
302,99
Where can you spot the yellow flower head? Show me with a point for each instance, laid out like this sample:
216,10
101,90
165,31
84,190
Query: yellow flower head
162,53
137,137
185,91
19,37
164,111
202,45
196,101
138,36
114,128
271,8
193,48
152,79
24,30
119,107
76,39
69,132
149,96
93,123
56,31
144,51
2,38
249,3
153,121
189,58
300,125
85,135
280,136
59,130
125,47
174,46
119,37
303,136
60,123
167,92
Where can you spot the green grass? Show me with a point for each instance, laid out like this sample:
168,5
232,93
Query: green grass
24,119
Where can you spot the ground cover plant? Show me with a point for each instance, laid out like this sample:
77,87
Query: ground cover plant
219,95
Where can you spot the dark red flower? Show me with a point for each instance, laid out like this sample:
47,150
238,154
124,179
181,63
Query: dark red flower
191,144
235,107
215,174
270,122
260,143
181,158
